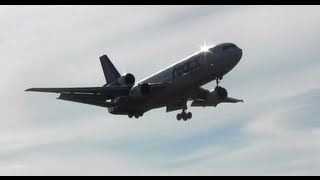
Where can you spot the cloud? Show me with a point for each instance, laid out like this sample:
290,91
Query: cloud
279,139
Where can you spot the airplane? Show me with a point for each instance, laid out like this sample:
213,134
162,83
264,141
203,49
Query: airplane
171,87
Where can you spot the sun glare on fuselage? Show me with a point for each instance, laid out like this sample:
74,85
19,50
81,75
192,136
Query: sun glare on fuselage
205,47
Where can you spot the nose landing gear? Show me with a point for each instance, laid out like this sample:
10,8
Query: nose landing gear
185,116
218,80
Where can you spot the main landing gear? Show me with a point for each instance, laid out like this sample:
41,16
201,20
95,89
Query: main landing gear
185,116
221,91
136,115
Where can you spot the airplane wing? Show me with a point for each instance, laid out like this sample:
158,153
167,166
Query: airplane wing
207,98
214,102
88,95
94,95
112,90
103,92
232,100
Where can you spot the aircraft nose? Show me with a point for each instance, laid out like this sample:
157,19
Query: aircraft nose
227,57
235,56
239,53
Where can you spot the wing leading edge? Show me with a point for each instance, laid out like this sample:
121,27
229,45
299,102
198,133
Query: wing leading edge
110,90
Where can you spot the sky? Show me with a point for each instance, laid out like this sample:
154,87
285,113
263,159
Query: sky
276,130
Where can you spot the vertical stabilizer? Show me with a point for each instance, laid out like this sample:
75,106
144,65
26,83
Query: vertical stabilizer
110,72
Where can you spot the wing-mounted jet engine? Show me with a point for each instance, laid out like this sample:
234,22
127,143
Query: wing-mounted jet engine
142,90
214,97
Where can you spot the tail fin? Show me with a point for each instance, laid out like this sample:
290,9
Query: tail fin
110,72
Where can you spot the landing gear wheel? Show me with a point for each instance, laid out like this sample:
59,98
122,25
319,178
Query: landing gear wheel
179,117
136,116
130,115
185,118
189,115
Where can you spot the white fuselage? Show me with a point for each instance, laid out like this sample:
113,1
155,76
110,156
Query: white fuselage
189,74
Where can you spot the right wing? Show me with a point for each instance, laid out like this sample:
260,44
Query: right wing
214,102
206,98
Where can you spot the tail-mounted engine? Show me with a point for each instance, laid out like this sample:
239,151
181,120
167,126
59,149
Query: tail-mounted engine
127,79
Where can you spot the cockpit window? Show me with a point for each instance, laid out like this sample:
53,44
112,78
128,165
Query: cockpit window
228,47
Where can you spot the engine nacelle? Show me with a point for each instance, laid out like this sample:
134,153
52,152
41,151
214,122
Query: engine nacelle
216,96
213,98
140,91
126,79
220,92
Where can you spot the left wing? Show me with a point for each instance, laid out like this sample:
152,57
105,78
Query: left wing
108,92
88,95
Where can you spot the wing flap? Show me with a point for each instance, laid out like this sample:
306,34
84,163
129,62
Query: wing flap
86,99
